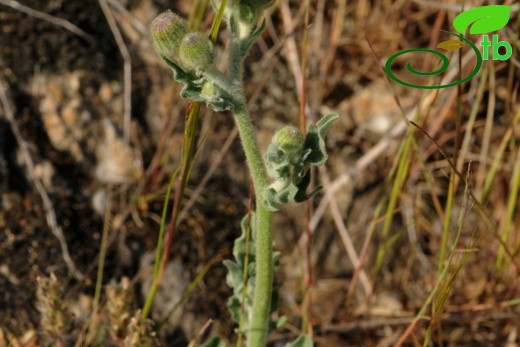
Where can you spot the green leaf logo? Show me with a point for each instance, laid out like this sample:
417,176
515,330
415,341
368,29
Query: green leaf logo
485,19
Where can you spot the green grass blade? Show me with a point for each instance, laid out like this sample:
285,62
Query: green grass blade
511,207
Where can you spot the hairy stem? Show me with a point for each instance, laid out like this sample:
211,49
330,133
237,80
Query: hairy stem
257,336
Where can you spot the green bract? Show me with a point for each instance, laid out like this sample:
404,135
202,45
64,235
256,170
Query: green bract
167,31
288,159
196,51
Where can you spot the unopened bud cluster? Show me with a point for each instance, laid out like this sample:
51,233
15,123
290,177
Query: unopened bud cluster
288,159
172,40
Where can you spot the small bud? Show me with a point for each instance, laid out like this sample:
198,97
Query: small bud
246,13
290,141
196,51
168,30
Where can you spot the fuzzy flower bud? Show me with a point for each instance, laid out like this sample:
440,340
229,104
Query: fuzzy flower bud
290,141
167,31
196,51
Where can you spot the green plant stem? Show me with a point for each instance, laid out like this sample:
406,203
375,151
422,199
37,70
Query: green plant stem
257,336
101,262
235,58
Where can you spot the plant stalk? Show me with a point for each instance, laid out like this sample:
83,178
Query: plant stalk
257,336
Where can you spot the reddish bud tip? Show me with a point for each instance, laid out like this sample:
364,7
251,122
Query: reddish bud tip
167,31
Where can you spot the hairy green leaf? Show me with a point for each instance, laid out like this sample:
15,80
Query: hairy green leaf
314,142
287,194
197,89
277,162
247,43
324,123
270,200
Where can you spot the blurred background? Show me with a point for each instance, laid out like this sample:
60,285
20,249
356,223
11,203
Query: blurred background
402,248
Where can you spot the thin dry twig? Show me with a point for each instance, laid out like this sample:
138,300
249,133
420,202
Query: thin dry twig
48,18
127,80
142,29
343,233
292,50
290,45
335,34
309,281
486,140
127,70
50,214
409,217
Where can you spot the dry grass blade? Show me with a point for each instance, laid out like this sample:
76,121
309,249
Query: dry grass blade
343,232
445,279
135,22
46,17
127,79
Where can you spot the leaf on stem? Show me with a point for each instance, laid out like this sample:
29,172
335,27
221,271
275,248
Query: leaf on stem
199,89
